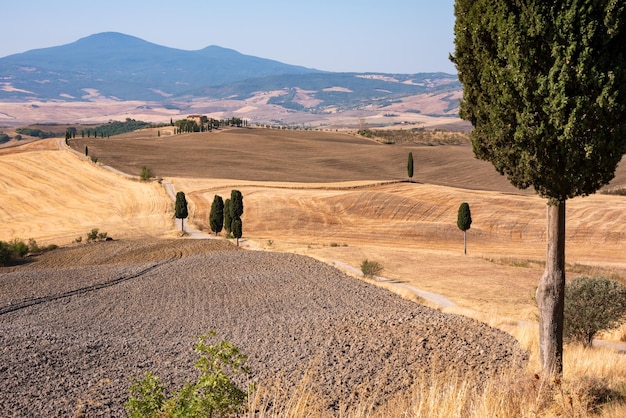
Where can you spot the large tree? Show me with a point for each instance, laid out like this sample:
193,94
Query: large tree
180,209
216,217
544,85
409,166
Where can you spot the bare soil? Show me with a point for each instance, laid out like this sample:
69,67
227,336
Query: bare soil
76,324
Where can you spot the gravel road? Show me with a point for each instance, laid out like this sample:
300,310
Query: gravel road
76,324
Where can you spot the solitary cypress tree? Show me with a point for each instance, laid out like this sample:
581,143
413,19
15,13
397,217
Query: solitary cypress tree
544,85
409,166
180,209
228,219
216,218
464,221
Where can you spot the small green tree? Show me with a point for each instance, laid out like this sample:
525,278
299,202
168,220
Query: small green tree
86,151
409,166
180,209
216,217
464,221
228,220
236,229
213,395
592,305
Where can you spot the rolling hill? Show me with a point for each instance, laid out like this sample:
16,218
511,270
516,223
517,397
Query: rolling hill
116,67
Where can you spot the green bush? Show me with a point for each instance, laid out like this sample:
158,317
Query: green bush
592,305
371,268
12,251
6,255
213,395
146,173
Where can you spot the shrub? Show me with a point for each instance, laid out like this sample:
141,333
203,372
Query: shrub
18,248
92,235
592,305
213,395
6,254
146,173
371,268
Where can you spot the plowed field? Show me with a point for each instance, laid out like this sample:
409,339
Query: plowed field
94,319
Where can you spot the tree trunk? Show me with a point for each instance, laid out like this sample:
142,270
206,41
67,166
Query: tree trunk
464,242
551,292
182,225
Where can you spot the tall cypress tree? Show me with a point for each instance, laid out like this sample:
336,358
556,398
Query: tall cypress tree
216,217
544,85
180,209
464,221
409,166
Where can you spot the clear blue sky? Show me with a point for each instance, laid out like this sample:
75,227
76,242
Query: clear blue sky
392,36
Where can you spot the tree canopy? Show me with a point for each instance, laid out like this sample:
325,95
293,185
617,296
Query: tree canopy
544,84
216,217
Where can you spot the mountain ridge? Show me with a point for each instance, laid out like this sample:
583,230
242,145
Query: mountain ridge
120,67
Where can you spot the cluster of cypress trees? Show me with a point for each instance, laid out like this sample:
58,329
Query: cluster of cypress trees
227,214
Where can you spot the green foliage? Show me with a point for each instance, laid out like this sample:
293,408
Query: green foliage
592,305
216,217
544,86
228,219
35,132
16,248
92,235
409,165
213,395
236,204
464,217
95,235
371,268
236,229
146,173
4,138
117,128
180,209
6,254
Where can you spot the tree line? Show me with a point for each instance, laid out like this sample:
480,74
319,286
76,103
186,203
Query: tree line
224,215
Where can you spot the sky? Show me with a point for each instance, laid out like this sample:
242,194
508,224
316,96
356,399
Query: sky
390,36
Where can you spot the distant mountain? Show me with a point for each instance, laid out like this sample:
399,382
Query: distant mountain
123,67
126,67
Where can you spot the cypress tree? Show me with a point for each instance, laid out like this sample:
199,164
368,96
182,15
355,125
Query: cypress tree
216,217
464,221
409,166
180,209
544,85
236,204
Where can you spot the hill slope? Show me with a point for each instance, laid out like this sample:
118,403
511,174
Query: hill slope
121,67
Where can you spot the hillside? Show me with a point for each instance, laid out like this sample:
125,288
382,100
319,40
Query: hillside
110,68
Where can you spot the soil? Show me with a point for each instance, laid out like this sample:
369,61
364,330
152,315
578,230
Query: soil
78,323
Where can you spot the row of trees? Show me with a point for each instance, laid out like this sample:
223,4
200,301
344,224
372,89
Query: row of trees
205,124
224,214
227,214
